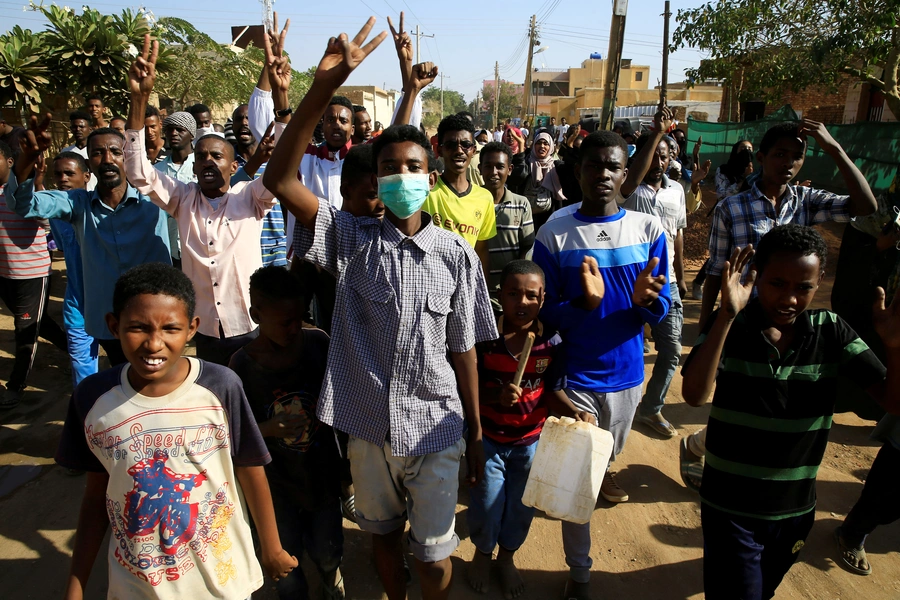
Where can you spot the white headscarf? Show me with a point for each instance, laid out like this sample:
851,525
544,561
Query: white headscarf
543,170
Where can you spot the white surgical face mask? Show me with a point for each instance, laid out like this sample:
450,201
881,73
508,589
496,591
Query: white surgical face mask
201,131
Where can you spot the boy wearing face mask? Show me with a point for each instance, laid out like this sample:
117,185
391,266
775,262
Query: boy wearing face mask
407,292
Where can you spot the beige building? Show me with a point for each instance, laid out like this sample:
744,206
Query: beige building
571,93
554,90
379,103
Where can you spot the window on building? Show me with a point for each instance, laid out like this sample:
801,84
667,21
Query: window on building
639,76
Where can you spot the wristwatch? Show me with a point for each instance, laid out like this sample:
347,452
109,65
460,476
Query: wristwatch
284,112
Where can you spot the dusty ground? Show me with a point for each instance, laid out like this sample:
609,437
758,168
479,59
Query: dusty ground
647,548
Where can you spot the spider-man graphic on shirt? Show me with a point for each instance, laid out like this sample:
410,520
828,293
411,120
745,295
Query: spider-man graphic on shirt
160,499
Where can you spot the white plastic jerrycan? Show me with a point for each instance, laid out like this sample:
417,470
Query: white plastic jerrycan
568,469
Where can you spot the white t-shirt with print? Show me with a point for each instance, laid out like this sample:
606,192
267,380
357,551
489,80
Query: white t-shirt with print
180,528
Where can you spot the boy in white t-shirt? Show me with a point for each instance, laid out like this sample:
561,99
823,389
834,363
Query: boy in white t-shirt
172,452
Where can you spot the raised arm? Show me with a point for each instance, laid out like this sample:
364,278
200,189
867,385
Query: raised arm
20,194
263,152
32,144
163,190
403,45
862,200
422,75
662,121
260,107
700,372
341,57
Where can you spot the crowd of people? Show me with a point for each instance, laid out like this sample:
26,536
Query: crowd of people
360,298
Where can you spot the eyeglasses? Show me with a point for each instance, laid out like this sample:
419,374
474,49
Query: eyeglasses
466,145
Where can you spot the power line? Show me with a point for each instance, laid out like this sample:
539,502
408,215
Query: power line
549,11
371,10
516,54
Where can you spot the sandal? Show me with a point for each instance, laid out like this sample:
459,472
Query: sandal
851,556
691,468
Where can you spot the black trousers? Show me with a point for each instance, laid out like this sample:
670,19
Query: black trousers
219,350
747,558
113,349
27,300
879,503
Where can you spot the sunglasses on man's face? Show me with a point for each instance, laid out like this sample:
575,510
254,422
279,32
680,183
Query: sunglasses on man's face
466,145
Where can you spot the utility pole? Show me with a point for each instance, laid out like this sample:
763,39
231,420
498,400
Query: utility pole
419,35
663,92
442,95
526,101
477,106
496,93
613,63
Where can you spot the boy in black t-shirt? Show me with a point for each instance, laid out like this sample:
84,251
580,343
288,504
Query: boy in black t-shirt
282,372
774,365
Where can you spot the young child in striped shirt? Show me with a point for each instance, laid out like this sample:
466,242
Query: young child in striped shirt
512,417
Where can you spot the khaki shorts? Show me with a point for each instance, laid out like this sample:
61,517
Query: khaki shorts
390,489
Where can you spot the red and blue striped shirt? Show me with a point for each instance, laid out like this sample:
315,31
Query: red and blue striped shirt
520,424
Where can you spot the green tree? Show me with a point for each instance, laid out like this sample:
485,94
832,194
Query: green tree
22,72
205,71
454,102
86,53
92,52
510,101
300,84
769,46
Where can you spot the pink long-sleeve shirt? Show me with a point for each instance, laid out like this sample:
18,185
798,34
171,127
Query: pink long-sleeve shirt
219,245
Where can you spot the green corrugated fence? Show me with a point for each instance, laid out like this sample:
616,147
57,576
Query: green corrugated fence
874,147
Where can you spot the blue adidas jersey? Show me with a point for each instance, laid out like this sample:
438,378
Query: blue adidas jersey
603,348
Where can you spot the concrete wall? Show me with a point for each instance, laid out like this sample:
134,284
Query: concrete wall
858,97
566,106
379,103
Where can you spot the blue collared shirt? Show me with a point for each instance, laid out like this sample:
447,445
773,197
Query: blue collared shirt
112,240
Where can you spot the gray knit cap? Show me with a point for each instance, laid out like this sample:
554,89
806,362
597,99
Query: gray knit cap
184,120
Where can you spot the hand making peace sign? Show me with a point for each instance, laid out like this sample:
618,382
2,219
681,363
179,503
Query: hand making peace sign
343,55
142,74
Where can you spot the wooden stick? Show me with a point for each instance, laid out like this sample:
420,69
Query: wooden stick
523,359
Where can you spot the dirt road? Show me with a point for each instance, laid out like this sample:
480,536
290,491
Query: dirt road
647,548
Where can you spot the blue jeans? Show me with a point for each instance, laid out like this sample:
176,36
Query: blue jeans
667,337
83,353
319,533
496,513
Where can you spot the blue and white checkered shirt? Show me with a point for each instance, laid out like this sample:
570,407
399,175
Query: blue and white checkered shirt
401,303
743,219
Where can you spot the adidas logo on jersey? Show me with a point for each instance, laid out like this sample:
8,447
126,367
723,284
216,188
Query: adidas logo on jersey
602,237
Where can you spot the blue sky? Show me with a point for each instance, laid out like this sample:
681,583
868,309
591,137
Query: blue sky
469,35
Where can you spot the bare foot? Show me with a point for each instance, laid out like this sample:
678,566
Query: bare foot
510,579
479,572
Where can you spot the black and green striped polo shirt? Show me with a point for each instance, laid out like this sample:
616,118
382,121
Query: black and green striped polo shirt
770,415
